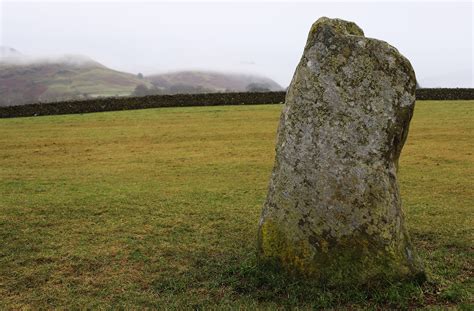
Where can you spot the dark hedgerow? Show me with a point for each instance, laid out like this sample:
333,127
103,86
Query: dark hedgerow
187,100
445,94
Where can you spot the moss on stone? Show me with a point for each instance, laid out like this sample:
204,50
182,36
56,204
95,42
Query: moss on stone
338,26
333,211
351,260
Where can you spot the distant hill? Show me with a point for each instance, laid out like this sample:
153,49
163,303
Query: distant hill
25,80
208,81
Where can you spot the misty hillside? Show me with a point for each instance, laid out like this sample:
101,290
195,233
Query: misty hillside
25,80
208,81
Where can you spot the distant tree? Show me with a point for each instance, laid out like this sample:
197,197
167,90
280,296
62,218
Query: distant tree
258,87
140,75
181,88
141,90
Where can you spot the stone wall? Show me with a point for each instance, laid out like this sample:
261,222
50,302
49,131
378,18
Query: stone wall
444,94
186,100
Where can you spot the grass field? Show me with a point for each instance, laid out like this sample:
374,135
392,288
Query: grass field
159,208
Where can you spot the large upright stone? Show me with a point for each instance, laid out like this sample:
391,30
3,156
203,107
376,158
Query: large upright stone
333,210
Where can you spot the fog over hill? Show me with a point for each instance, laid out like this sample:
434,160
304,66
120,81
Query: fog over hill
211,81
11,56
7,52
29,79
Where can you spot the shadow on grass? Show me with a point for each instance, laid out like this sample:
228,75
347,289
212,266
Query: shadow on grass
246,279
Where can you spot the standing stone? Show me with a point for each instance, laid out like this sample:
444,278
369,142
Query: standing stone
333,210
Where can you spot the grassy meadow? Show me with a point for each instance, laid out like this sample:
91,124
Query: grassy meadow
158,208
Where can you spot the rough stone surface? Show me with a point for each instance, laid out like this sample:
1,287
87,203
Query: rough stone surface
333,210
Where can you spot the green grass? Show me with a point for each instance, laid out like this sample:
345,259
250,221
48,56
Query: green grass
95,82
159,208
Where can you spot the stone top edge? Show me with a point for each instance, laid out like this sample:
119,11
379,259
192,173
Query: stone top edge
338,26
346,29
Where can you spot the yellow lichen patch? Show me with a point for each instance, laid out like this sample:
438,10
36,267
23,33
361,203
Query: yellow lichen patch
299,256
346,52
324,245
356,259
272,240
294,256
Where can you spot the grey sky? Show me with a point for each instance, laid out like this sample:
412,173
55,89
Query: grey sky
258,37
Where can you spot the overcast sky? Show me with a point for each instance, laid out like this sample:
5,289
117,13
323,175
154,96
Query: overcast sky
258,37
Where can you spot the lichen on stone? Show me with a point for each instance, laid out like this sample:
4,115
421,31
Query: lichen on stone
333,210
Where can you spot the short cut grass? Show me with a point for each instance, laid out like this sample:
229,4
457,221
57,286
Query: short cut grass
158,208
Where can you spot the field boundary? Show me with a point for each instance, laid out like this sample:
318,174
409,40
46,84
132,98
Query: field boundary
445,94
188,100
